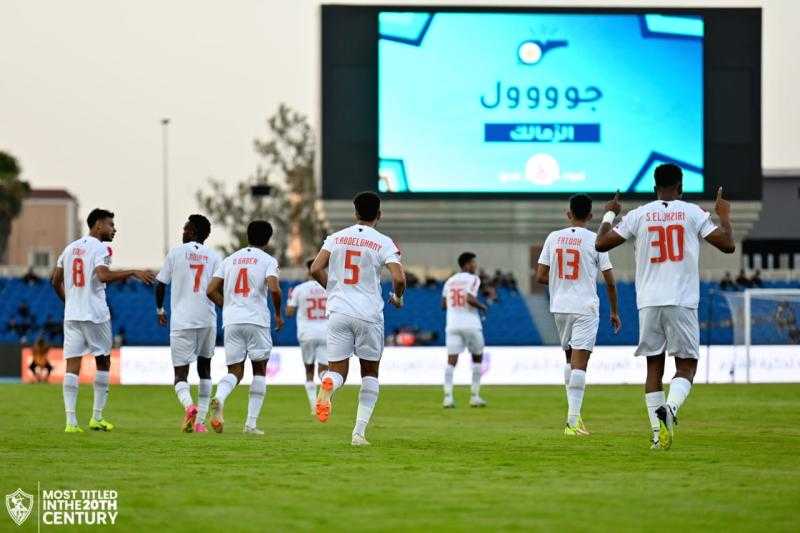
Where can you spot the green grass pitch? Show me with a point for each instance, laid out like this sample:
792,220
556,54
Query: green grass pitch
734,465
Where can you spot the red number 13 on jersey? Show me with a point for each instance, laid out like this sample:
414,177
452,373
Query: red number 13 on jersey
573,263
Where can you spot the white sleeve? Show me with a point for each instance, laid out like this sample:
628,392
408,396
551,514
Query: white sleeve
165,274
101,256
703,223
544,257
328,244
292,301
476,283
390,253
627,226
219,272
444,289
604,262
60,262
272,269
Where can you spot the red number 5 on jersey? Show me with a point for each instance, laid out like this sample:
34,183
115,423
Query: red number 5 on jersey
355,271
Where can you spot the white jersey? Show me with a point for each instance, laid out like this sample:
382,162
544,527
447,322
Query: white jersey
310,301
354,271
667,251
245,274
574,264
85,294
461,315
188,269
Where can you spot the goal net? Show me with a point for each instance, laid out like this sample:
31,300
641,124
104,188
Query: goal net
763,317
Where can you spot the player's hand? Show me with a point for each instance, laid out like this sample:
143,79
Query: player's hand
278,323
722,207
613,204
395,301
145,276
162,319
616,323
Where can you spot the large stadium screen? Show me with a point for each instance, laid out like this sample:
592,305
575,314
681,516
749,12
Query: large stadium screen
498,102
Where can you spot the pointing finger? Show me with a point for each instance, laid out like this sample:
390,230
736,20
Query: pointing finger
719,193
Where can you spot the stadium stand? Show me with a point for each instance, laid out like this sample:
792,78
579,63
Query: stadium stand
508,322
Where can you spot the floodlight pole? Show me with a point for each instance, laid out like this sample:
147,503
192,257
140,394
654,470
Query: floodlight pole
165,180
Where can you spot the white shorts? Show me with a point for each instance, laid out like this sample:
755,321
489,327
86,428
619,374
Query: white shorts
469,338
669,328
243,341
577,332
187,345
83,337
352,336
314,350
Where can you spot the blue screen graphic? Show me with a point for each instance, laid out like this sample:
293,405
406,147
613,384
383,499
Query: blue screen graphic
538,103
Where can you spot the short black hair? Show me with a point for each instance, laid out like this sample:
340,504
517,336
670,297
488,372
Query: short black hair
668,175
367,205
309,263
465,258
201,225
98,214
580,205
259,232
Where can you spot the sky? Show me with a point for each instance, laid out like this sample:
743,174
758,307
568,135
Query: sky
84,85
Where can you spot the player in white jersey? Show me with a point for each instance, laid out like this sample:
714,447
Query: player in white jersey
309,301
354,258
666,235
245,277
463,328
569,265
87,320
193,325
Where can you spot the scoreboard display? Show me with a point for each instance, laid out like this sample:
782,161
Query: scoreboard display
452,102
537,102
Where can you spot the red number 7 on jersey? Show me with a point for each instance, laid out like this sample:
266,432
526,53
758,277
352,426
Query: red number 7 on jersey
198,275
355,271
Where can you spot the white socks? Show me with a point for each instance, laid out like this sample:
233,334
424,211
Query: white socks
367,398
203,399
678,391
475,389
70,390
337,378
567,372
225,386
258,389
184,395
448,380
311,392
654,400
100,393
575,390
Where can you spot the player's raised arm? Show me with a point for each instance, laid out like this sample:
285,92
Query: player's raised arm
275,291
214,291
611,290
57,281
398,283
319,267
607,239
722,237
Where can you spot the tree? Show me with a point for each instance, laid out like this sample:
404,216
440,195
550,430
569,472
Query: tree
287,167
12,192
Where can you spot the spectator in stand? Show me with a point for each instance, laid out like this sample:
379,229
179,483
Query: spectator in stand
22,324
52,328
755,281
412,281
727,283
512,282
40,366
30,277
742,280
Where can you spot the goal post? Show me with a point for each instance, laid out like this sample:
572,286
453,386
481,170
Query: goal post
763,317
